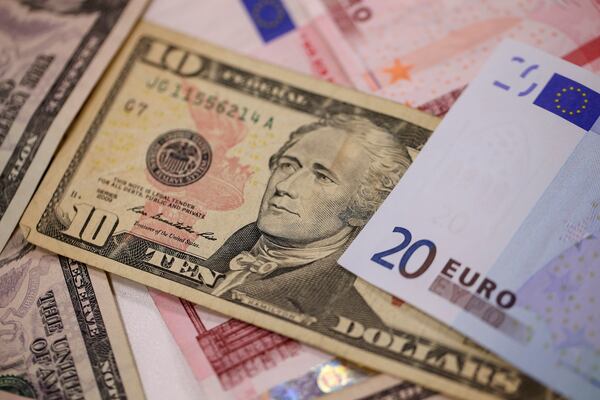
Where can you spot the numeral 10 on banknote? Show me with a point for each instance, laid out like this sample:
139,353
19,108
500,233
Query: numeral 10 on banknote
92,225
486,287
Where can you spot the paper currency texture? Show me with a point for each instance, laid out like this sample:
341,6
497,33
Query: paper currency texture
235,360
356,43
494,228
51,55
300,46
237,185
60,331
383,387
424,52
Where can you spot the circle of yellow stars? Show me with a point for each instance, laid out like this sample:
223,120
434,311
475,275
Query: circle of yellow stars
571,89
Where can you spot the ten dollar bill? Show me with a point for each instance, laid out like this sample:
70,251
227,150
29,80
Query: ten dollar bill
183,174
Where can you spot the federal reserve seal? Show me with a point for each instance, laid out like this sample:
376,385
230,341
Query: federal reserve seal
178,157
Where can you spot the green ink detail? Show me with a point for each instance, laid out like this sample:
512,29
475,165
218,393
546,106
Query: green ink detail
17,385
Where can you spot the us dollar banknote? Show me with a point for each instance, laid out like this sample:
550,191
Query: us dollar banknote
51,55
60,332
237,185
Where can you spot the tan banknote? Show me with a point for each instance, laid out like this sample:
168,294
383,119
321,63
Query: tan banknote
61,336
51,55
237,185
384,387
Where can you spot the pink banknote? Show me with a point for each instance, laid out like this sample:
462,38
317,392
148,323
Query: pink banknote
235,360
415,51
302,48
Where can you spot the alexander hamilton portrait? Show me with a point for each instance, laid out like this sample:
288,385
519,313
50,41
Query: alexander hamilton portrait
326,181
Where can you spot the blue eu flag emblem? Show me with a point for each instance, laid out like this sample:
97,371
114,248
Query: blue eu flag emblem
570,100
270,17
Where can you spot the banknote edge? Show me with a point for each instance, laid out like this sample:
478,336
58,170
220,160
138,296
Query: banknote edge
55,129
93,345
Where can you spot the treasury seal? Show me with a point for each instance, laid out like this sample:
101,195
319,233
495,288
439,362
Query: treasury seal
17,385
178,157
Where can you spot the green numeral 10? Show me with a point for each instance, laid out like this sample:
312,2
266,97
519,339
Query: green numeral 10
92,225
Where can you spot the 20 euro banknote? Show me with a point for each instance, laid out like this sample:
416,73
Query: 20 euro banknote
492,229
237,185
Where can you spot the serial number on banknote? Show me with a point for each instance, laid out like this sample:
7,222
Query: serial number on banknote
195,97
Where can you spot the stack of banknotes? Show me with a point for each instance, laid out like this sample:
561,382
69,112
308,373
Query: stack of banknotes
285,199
